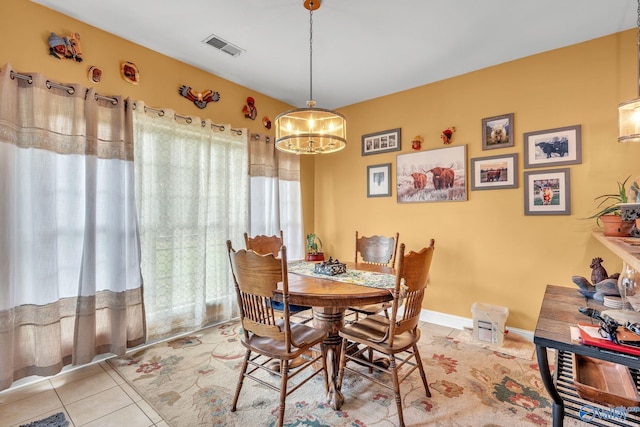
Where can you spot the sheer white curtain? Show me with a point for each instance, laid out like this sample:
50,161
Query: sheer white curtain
70,283
192,195
276,201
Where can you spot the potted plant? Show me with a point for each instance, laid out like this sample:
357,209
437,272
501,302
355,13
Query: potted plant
609,213
314,248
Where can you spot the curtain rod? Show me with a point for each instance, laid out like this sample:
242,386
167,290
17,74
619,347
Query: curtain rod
188,119
69,89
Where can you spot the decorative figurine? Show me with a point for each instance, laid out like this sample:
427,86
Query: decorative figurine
250,111
95,74
65,47
266,122
447,135
601,285
201,99
598,273
129,72
416,142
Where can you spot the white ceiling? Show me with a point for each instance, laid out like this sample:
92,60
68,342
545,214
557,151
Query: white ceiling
362,49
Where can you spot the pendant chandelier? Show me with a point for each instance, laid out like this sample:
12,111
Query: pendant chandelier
310,130
629,111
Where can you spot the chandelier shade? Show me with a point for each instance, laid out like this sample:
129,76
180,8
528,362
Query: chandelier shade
310,130
629,111
629,121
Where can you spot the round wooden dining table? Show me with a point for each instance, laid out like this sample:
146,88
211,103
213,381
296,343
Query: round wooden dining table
329,299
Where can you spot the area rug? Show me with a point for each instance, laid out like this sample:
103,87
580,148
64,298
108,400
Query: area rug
56,420
191,382
513,345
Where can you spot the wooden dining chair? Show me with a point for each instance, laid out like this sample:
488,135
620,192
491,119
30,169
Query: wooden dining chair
263,245
395,338
265,336
379,250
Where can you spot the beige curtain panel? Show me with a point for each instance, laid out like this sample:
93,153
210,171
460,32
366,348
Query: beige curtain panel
70,281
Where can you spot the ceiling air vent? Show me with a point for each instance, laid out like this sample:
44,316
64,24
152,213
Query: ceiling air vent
223,45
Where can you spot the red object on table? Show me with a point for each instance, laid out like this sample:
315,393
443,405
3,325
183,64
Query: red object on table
606,343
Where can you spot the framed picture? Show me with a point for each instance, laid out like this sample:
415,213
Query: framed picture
495,172
497,132
559,146
432,176
381,142
379,180
547,192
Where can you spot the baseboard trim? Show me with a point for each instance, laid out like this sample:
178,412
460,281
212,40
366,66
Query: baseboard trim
458,322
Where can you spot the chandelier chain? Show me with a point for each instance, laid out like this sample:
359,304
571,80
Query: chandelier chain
311,48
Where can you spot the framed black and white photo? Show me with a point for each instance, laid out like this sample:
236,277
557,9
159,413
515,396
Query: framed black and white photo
497,132
547,192
553,147
381,142
438,175
495,172
379,180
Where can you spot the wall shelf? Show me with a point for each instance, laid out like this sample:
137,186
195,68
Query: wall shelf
626,248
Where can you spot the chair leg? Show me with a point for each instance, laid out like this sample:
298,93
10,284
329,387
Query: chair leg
243,370
283,391
370,359
416,354
396,387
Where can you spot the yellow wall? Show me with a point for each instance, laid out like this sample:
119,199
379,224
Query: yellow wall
25,28
487,249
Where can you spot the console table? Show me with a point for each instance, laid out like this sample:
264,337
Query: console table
558,313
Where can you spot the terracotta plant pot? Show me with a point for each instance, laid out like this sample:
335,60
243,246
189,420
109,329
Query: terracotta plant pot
315,257
614,226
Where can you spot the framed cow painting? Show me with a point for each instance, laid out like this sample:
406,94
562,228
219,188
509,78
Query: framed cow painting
432,176
495,172
553,147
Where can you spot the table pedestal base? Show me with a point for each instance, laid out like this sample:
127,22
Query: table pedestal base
331,320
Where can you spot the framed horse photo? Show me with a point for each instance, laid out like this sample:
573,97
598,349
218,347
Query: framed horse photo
432,176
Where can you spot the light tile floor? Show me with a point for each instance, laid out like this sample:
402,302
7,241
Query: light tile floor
91,396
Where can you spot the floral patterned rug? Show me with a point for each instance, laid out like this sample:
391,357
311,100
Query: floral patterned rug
190,381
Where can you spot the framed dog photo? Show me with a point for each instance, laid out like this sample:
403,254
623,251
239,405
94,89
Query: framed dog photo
547,192
553,147
497,132
379,180
381,142
493,173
